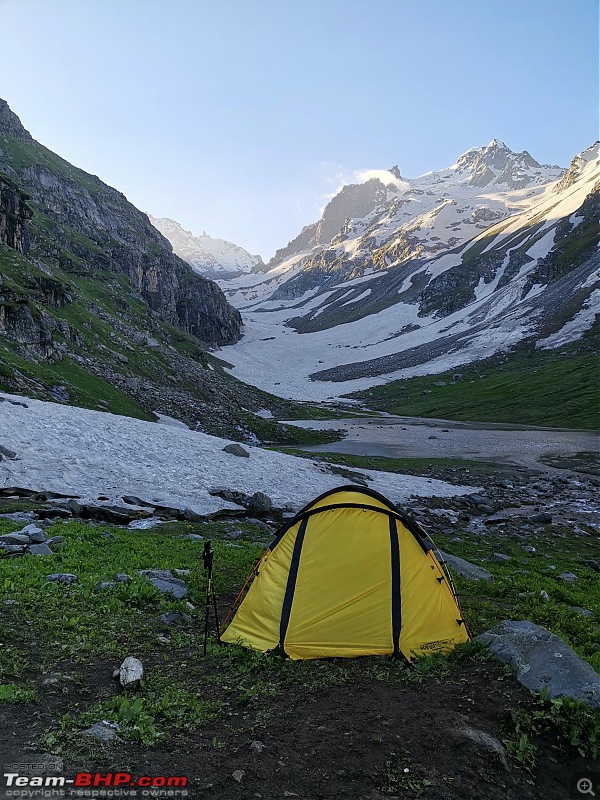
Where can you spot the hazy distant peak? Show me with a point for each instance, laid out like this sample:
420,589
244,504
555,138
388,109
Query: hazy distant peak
208,256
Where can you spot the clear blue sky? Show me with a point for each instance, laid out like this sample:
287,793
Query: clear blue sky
240,116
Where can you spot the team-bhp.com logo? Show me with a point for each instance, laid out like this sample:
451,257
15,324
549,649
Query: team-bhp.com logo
83,784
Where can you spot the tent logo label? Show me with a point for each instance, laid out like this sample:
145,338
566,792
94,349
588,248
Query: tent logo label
439,645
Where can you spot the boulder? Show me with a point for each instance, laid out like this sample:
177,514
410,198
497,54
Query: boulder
260,503
467,570
236,450
542,659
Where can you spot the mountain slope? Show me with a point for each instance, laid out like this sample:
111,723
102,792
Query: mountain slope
494,251
207,256
97,311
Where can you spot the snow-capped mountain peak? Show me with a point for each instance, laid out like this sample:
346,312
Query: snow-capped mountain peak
208,256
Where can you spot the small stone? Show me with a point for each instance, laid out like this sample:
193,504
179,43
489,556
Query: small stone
104,731
63,577
529,549
257,746
122,577
545,596
131,672
165,582
500,558
104,585
7,453
195,537
238,775
568,577
236,450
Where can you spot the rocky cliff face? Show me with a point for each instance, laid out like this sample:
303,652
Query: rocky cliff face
82,225
14,215
95,308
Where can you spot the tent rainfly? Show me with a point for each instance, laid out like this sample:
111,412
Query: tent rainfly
349,576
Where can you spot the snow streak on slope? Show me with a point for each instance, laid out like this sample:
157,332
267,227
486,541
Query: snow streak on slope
204,254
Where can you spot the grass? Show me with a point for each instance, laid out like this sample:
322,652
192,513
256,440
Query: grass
45,624
411,466
555,388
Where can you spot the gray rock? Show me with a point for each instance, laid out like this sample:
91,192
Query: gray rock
122,577
40,550
195,537
36,535
542,659
192,516
497,519
7,453
131,672
529,549
12,549
542,518
19,516
485,741
144,524
132,500
236,450
165,582
467,570
104,585
500,558
104,731
260,503
582,612
63,577
568,577
14,538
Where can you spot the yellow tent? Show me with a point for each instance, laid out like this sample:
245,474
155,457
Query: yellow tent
349,576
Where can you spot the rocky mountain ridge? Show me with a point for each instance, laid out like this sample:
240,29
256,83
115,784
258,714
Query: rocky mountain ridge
448,268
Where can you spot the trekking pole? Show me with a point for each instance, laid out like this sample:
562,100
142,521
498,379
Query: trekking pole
207,558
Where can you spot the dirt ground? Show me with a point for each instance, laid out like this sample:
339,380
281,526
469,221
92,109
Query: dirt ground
353,741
